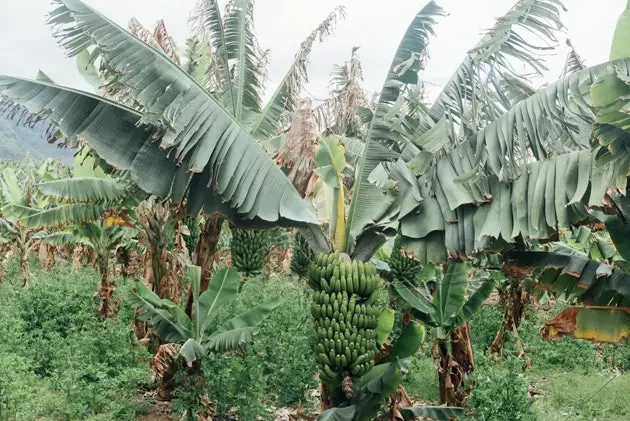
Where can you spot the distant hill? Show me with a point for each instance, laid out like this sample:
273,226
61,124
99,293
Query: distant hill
17,141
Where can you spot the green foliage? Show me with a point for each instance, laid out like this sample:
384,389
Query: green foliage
238,381
282,351
500,392
198,333
422,381
484,326
57,359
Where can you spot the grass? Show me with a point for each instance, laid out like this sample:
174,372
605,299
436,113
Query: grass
578,396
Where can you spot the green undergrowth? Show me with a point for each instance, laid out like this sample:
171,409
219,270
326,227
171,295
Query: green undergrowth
278,369
58,361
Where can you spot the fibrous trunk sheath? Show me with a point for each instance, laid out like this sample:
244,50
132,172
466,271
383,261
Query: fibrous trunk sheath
204,254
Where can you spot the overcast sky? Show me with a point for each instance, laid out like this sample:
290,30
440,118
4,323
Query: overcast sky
26,44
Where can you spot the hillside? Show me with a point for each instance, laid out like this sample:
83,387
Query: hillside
16,142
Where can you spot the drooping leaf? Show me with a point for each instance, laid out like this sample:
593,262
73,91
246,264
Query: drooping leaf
424,310
385,384
67,214
170,322
598,324
84,189
474,302
201,134
589,280
191,351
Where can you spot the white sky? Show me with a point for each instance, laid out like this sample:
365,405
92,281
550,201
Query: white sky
26,44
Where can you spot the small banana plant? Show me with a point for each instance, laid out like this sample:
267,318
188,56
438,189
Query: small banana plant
447,310
198,334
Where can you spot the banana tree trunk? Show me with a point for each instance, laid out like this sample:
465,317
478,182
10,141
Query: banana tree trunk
45,256
105,290
204,254
24,271
444,372
123,259
514,300
454,364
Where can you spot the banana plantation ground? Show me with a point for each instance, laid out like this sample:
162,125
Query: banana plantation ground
59,361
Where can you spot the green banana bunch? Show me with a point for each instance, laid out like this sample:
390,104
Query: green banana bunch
403,268
249,248
193,227
345,315
301,255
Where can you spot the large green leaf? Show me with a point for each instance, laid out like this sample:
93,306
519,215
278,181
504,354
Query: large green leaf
484,188
11,191
599,324
65,239
87,70
621,40
369,204
409,341
84,189
67,214
170,322
240,329
191,351
385,384
201,136
450,292
474,302
223,288
547,195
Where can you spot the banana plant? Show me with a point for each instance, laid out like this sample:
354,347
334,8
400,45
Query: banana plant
94,210
102,238
199,334
377,389
16,201
445,311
